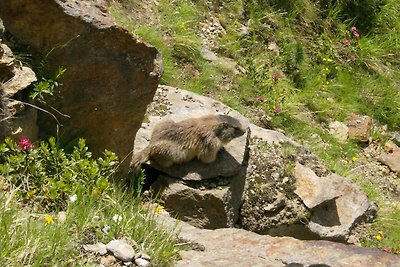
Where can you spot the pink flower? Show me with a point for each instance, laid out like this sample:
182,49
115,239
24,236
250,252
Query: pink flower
277,110
346,42
25,144
275,76
353,28
356,34
388,250
260,98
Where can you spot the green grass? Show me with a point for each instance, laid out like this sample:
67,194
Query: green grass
385,232
26,239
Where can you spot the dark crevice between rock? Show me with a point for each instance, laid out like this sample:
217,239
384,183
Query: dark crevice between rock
326,214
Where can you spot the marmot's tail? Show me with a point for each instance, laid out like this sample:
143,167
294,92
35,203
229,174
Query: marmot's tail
139,158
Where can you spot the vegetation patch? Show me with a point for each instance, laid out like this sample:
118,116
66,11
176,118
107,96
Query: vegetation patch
54,202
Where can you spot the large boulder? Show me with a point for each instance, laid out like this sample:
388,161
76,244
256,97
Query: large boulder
236,247
110,75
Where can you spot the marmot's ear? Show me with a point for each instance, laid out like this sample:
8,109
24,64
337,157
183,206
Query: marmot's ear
220,128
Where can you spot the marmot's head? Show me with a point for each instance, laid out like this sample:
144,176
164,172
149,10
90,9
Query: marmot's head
228,128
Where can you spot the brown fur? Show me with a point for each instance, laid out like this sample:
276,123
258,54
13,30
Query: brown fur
178,142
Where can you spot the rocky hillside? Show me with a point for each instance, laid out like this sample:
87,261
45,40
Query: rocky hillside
315,85
323,73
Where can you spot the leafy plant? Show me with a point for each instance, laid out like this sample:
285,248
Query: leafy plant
46,175
47,85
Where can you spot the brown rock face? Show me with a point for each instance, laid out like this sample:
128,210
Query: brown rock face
236,248
210,208
110,76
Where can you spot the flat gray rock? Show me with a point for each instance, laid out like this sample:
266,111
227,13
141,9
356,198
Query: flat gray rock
270,136
313,190
232,247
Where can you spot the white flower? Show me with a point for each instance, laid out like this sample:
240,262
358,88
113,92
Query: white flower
73,198
117,218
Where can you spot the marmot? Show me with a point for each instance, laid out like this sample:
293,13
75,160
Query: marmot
178,142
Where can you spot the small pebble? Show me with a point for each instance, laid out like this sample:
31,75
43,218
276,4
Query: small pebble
108,260
62,217
121,249
142,262
145,256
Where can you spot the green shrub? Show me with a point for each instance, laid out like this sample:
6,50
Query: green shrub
47,85
47,176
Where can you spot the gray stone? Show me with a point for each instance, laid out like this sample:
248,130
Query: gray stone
142,262
110,75
236,248
312,189
99,248
145,256
334,219
209,208
270,136
339,130
207,54
121,250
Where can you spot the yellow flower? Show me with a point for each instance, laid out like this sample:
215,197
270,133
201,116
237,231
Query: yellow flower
378,237
354,158
380,232
329,60
48,219
159,209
